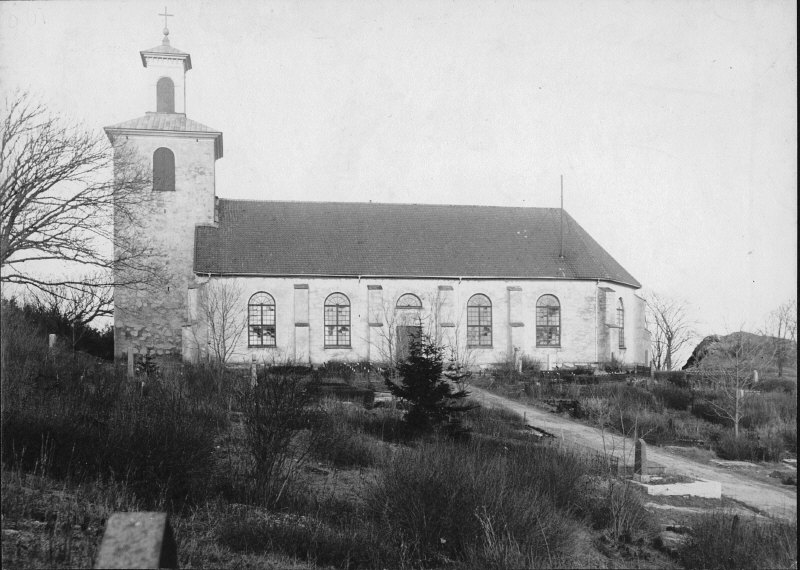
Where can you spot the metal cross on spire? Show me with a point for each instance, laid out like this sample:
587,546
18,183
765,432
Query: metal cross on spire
166,30
165,16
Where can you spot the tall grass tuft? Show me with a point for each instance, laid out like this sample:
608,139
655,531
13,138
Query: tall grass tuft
445,503
338,438
158,443
724,541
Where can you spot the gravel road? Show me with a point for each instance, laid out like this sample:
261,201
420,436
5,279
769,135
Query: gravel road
762,497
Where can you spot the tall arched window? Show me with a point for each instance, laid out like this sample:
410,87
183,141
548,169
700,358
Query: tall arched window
621,323
163,170
337,321
165,95
409,301
548,321
261,320
479,321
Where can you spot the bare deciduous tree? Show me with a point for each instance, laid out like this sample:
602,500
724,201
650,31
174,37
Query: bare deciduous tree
458,355
62,188
222,317
670,327
781,328
78,305
728,369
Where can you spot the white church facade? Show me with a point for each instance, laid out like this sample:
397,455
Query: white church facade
323,281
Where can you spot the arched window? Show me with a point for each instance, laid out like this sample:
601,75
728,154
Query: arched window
409,301
165,95
163,170
621,323
261,320
337,321
479,321
548,321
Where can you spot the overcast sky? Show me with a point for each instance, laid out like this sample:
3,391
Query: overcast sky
674,123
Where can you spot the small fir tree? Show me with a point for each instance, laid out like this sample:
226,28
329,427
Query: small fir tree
433,400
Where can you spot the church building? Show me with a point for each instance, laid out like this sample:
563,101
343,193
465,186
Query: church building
311,282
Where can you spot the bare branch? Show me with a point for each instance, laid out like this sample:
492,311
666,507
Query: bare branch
670,327
62,188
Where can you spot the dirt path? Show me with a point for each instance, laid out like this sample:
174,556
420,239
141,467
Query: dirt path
777,501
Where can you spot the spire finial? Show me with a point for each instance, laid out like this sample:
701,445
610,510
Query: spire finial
165,41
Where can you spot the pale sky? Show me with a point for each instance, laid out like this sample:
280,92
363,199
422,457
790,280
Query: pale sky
674,123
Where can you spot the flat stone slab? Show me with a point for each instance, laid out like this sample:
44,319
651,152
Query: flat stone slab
699,488
726,463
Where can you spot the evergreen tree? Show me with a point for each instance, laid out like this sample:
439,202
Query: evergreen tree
433,400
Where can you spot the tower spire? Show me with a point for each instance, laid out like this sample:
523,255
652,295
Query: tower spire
165,41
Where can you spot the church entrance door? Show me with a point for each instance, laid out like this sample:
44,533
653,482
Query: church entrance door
405,336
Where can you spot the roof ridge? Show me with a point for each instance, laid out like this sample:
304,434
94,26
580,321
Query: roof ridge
351,203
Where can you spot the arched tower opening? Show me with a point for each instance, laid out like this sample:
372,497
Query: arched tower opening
165,95
164,170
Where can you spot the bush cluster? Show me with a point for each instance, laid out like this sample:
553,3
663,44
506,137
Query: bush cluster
724,541
158,443
445,503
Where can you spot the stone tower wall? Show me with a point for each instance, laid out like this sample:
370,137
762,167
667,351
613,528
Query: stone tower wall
151,320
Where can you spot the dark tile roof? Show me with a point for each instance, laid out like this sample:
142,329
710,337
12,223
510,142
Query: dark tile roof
414,240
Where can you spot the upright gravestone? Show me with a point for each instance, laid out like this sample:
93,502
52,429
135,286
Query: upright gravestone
640,458
138,540
130,363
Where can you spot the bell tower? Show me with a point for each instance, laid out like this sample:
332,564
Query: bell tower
167,69
180,154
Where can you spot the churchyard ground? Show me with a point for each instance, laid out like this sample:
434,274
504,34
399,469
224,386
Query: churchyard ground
344,486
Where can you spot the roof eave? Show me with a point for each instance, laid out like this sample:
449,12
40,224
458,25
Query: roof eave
634,285
185,57
216,135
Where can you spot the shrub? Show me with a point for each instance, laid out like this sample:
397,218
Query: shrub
336,437
335,369
158,444
621,512
675,377
702,408
673,397
495,422
763,409
351,544
764,444
783,385
274,412
721,540
441,501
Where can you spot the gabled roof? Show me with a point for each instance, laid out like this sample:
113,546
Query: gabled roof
160,123
399,240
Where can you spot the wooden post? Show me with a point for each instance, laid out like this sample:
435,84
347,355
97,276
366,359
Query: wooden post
253,372
138,540
130,363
